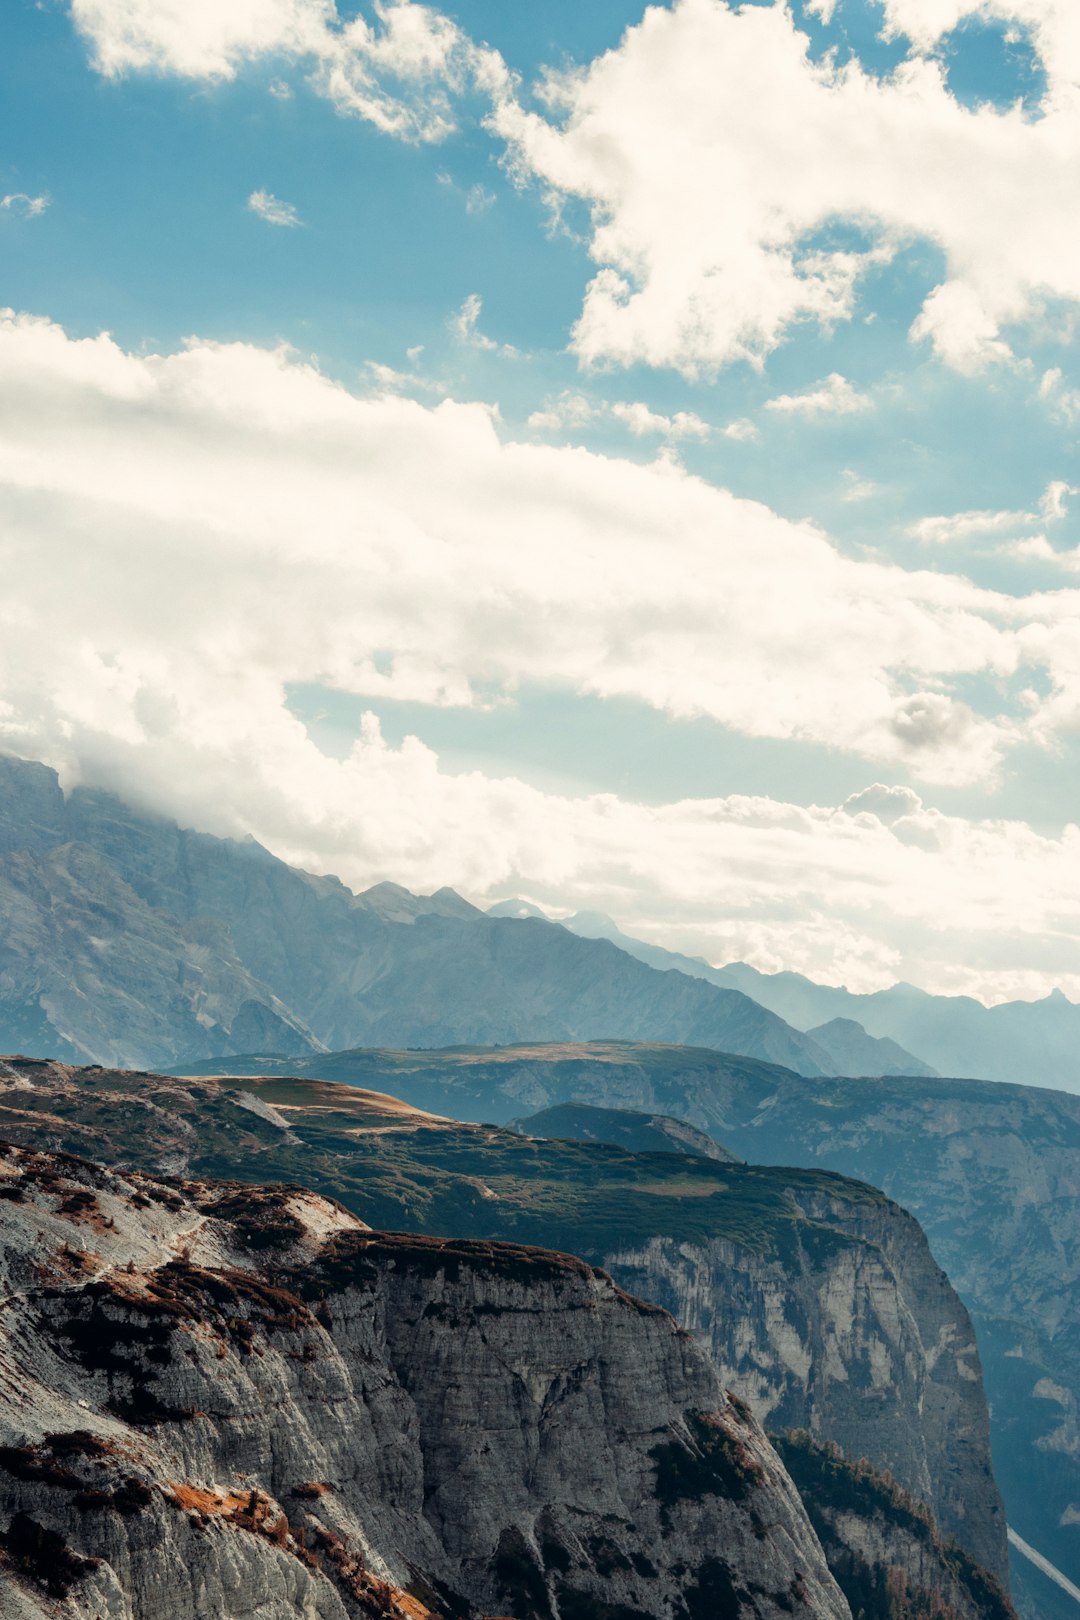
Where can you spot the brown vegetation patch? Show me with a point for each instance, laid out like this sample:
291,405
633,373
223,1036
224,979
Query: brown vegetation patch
44,1556
49,1464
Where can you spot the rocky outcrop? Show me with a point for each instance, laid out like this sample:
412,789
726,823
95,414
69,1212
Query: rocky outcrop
230,1401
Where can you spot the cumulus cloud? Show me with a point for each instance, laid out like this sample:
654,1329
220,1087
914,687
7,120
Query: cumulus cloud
20,202
1054,26
833,397
642,421
225,521
714,152
960,526
569,410
272,209
401,73
1064,402
742,430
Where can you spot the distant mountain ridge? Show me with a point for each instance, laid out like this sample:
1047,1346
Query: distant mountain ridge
126,939
851,1048
1035,1043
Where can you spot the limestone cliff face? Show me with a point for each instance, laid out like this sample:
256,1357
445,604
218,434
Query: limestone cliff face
884,1547
224,1401
858,1338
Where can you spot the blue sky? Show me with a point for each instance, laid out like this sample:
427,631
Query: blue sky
813,259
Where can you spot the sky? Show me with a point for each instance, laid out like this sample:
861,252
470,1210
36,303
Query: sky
619,456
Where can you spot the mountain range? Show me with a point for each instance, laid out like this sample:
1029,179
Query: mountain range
1031,1042
126,939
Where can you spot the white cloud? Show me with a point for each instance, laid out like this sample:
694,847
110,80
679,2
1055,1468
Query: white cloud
1064,402
742,430
856,488
21,203
959,526
465,327
401,73
713,150
478,199
641,421
391,381
835,396
299,531
272,209
570,410
574,410
1037,548
183,536
1054,26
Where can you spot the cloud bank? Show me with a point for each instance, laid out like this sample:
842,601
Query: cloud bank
184,535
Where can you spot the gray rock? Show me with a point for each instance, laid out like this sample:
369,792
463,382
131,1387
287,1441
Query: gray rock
221,1402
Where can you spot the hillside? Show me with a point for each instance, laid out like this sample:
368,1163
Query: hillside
621,1127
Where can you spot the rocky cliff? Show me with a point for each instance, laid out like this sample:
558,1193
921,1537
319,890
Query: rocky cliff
848,1337
815,1296
223,1402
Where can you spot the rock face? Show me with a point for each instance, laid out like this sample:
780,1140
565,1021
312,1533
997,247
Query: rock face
847,1340
884,1548
816,1298
228,1402
125,939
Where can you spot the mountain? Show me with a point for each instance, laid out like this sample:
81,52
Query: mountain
855,1052
1027,1042
225,1402
816,1299
845,1041
125,939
